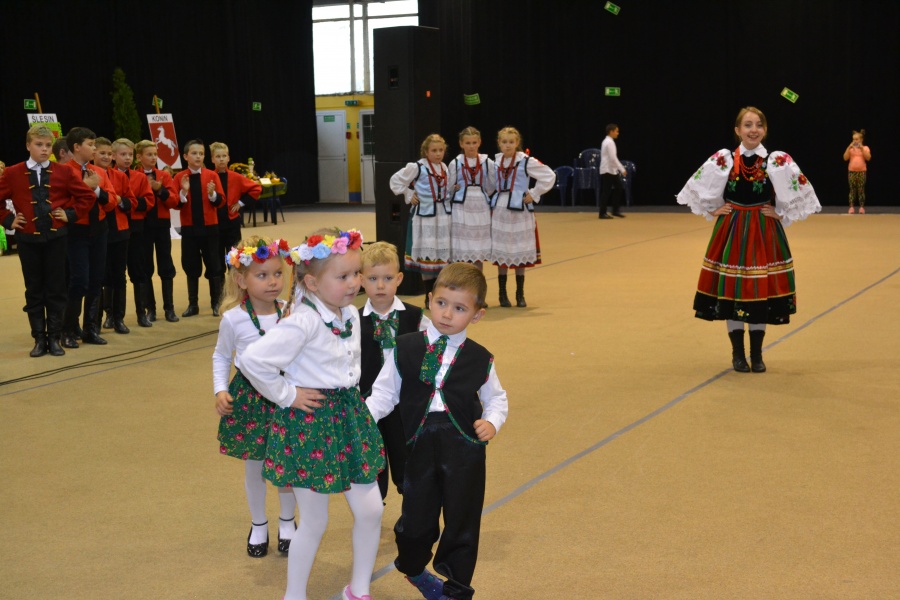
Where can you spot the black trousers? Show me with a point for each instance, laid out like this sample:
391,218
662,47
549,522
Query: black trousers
445,472
391,428
87,265
116,259
160,239
137,258
202,251
44,272
228,238
611,187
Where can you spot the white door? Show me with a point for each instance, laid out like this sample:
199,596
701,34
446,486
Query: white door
332,131
367,155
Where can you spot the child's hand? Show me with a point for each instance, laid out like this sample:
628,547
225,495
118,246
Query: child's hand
484,430
415,200
769,211
307,399
185,185
527,199
223,403
155,185
722,210
59,214
92,180
19,221
456,187
234,208
210,188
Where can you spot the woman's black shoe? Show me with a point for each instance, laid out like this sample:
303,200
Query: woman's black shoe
258,550
284,544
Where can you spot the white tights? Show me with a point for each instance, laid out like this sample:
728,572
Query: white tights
733,325
365,504
255,486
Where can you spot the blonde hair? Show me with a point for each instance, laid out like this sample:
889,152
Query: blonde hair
469,131
312,267
102,141
232,293
380,253
511,131
757,112
143,145
465,277
122,142
431,139
38,130
218,146
862,134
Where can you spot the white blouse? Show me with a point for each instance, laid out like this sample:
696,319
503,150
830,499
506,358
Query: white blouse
236,332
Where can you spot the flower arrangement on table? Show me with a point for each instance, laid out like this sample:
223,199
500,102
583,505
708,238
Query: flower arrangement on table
244,169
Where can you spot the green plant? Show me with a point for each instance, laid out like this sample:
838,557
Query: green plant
126,122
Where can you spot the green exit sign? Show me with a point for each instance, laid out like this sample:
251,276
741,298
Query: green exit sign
612,91
613,8
30,104
351,102
790,95
257,106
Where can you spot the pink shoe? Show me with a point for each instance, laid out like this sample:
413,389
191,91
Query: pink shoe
862,210
851,211
348,595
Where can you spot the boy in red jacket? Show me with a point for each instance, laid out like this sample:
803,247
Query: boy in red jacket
239,191
46,197
200,193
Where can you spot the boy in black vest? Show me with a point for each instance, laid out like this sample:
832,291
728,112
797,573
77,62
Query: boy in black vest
383,318
451,404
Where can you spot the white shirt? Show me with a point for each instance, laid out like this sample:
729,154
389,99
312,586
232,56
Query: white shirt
609,161
386,389
310,355
36,167
758,151
236,332
368,309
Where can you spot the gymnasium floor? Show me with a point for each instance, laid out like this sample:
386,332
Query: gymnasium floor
635,463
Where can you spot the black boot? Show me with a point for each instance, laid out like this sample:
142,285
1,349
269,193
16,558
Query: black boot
150,304
429,287
215,294
168,301
119,298
756,341
501,283
107,307
520,291
140,299
54,327
91,326
193,297
38,332
70,323
738,359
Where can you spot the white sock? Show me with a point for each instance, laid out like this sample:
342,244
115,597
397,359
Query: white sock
313,522
287,500
367,508
255,486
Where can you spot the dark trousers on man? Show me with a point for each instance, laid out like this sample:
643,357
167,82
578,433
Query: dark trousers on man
443,471
44,272
160,240
611,188
87,270
199,254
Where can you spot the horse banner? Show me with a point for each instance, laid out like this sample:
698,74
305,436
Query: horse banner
162,132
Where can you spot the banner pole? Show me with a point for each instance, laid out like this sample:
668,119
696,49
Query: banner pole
37,99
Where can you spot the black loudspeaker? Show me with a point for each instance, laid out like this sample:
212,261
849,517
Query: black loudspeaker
407,109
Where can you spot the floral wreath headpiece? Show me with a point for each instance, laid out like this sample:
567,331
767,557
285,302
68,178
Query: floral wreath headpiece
323,246
260,253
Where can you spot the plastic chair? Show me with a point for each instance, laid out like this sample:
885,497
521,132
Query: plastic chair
630,169
280,190
563,176
587,174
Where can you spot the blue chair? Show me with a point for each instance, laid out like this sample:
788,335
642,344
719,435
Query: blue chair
630,169
563,176
280,190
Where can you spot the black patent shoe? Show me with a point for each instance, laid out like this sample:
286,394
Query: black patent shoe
120,327
144,320
191,311
740,364
284,544
69,341
108,322
171,317
53,345
151,314
40,346
257,550
91,337
757,365
520,301
215,311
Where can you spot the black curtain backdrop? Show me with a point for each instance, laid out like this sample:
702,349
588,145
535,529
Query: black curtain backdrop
208,61
685,69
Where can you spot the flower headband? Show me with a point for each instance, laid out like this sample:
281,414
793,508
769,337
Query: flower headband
260,253
323,246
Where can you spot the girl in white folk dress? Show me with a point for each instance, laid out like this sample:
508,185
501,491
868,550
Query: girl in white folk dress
423,184
327,444
256,280
514,235
473,178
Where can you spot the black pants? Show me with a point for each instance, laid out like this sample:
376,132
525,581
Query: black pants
87,265
44,272
137,258
229,237
391,428
202,251
116,259
610,186
159,238
443,471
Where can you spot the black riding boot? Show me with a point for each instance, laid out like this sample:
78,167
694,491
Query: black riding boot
168,300
91,325
756,342
215,294
54,329
140,304
520,291
38,332
107,307
193,297
119,299
738,359
501,283
150,304
70,323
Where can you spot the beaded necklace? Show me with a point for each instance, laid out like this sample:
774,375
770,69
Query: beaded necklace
432,176
470,174
348,326
248,306
506,172
755,173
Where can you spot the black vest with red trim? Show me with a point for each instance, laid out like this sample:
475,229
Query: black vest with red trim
372,355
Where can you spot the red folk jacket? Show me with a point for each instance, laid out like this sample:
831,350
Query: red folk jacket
107,199
165,198
209,209
122,187
238,187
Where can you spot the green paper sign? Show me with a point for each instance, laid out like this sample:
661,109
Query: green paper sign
471,99
257,106
612,91
613,8
30,104
790,95
157,103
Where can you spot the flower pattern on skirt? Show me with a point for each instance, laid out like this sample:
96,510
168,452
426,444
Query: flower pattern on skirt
244,433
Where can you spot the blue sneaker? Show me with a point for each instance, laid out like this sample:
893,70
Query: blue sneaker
429,585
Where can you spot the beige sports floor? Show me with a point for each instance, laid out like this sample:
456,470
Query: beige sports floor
635,464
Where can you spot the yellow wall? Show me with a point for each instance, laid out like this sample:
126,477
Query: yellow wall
353,154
